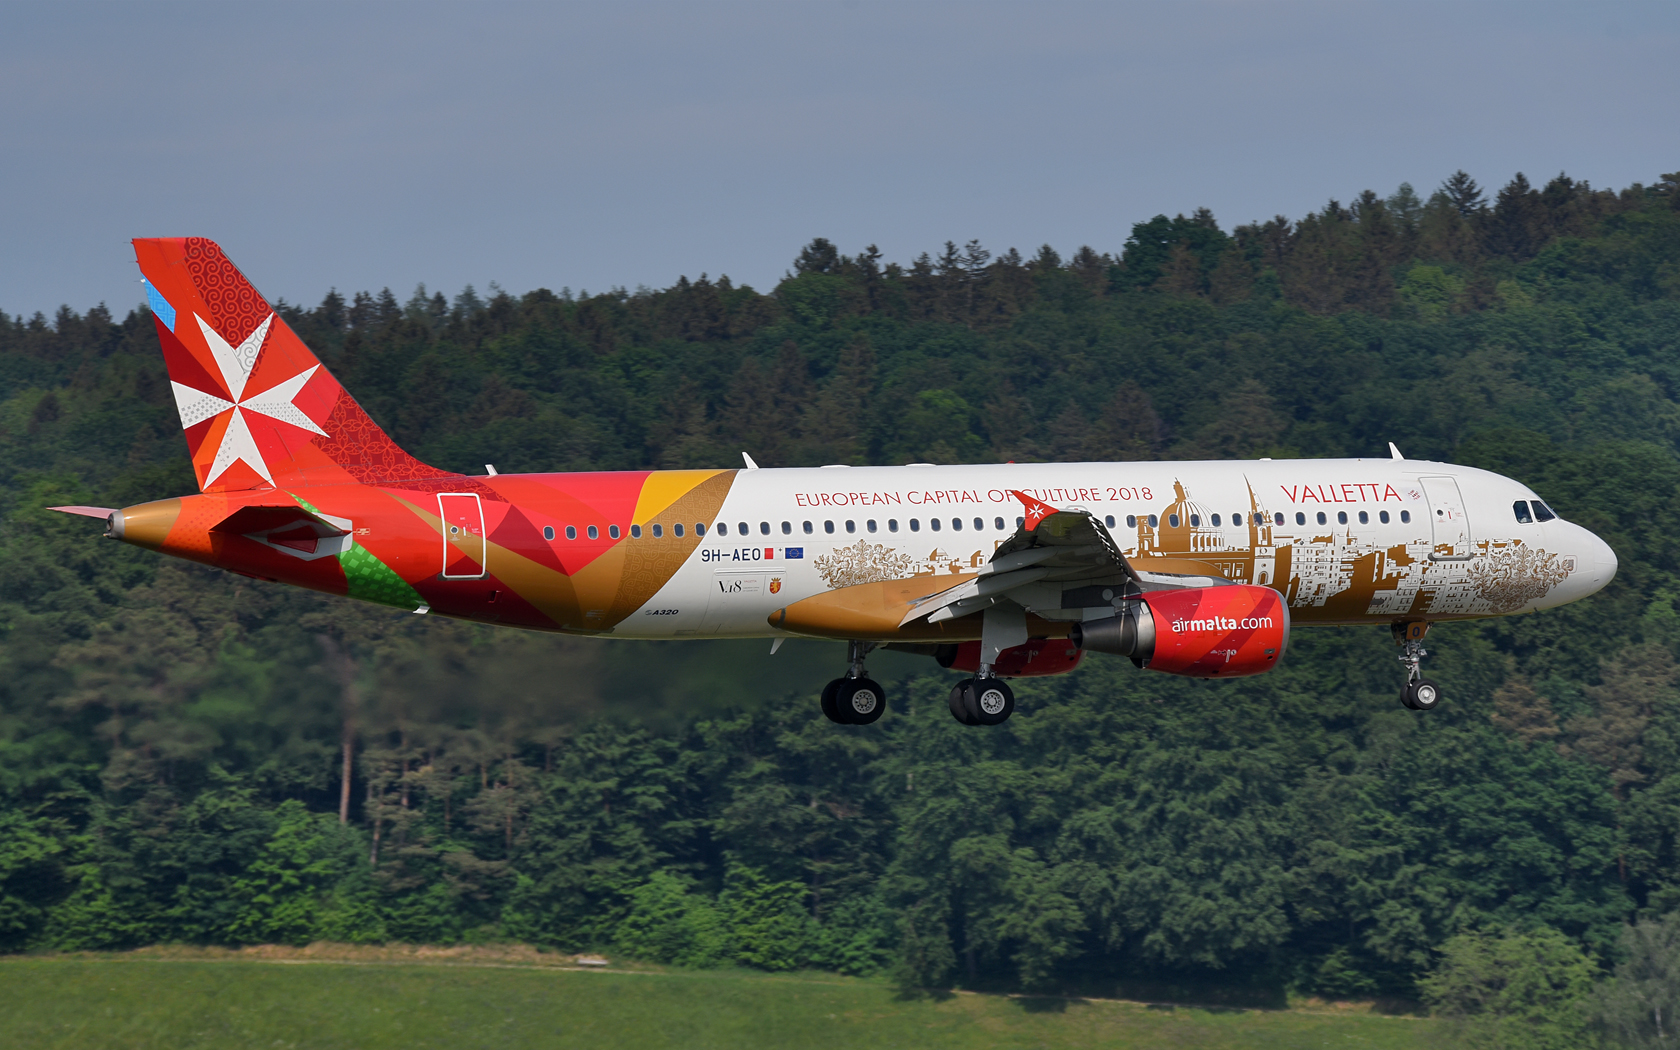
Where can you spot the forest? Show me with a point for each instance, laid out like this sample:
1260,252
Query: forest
173,740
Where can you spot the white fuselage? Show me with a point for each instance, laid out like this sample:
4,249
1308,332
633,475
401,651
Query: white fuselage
1345,541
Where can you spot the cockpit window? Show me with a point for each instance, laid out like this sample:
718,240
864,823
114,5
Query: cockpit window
1542,512
1521,509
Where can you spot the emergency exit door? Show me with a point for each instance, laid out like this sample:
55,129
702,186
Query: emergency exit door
463,535
1449,523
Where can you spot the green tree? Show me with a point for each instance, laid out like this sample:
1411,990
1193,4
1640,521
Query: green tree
1514,990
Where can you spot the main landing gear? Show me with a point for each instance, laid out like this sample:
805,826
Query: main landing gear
856,699
1420,694
982,701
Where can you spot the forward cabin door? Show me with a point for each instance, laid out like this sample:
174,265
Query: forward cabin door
1447,519
463,535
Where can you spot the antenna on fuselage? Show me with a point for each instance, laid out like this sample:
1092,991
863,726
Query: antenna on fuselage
1394,453
750,464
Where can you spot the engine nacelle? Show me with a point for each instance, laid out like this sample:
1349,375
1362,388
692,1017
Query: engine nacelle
1198,632
1038,658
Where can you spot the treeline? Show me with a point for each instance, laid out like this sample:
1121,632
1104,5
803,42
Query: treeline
172,740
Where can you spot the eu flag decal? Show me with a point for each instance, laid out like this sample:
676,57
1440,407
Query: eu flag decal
793,552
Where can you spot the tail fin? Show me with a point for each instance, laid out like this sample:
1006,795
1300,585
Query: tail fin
257,407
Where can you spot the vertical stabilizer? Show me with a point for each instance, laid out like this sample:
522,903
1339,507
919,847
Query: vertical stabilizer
257,407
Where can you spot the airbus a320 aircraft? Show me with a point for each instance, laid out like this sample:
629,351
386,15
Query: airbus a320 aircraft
999,571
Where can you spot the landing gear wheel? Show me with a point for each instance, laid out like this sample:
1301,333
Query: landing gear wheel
858,701
993,701
830,706
960,705
982,702
1421,695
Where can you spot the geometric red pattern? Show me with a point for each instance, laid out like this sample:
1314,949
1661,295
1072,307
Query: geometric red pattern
235,307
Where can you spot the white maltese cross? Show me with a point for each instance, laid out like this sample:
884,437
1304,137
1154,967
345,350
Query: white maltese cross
277,402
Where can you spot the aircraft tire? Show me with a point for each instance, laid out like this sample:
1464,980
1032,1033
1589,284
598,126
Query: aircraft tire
960,703
859,701
1422,695
830,701
993,701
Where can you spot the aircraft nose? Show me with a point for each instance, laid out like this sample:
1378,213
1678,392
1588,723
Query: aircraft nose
1597,565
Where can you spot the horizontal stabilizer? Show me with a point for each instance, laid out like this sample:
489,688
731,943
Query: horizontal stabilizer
289,529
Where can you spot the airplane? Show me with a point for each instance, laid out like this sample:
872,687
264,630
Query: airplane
998,571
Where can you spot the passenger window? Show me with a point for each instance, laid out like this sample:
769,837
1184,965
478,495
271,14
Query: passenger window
870,525
658,531
997,523
1172,521
915,525
1280,518
979,524
594,533
787,528
1364,518
723,528
1322,520
571,532
548,532
808,529
1236,519
828,527
699,528
612,530
1020,522
1542,512
764,528
1195,520
892,524
851,526
1341,517
1520,508
741,528
1154,522
1215,521
1405,517
1300,519
1109,521
635,532
1382,516
956,524
933,523
676,530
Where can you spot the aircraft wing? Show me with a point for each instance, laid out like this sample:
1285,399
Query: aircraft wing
1050,549
1057,563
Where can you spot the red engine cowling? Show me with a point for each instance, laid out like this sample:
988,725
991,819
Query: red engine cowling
1199,632
1038,658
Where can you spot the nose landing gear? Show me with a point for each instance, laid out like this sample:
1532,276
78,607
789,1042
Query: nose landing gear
1420,694
854,700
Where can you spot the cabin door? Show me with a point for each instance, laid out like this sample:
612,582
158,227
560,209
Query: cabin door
1450,525
463,535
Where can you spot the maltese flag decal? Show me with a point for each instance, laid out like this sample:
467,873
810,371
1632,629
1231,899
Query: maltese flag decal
1036,511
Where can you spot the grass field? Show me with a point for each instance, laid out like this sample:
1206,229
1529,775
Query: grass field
187,999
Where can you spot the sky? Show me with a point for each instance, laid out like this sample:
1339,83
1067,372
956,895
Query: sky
581,145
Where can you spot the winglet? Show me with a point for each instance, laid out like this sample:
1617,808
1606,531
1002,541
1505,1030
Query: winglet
1394,452
750,464
86,512
1036,511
